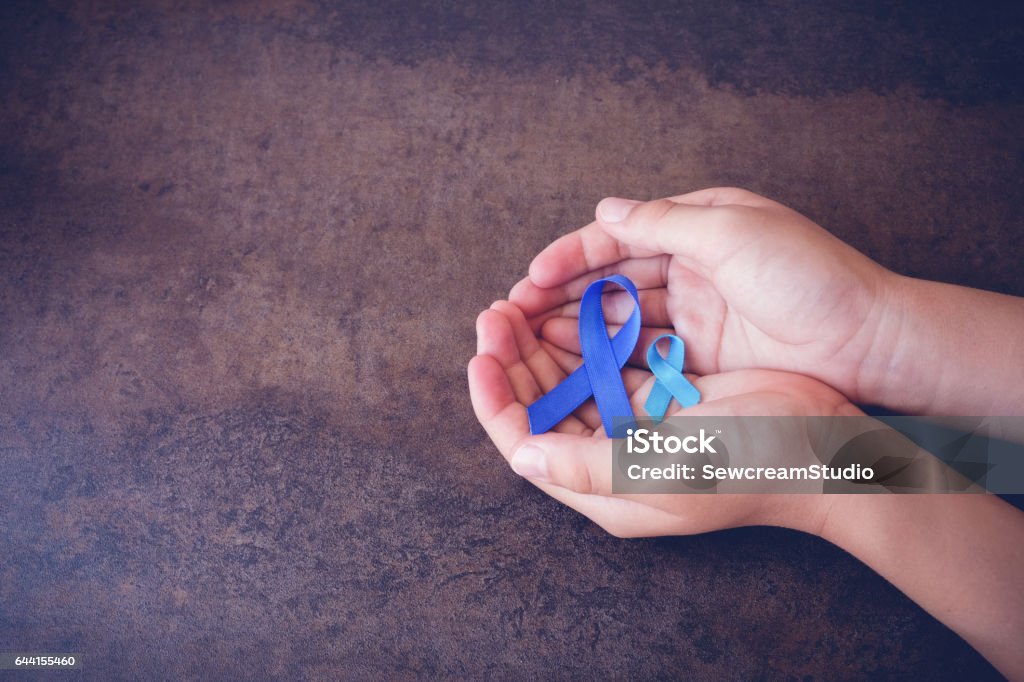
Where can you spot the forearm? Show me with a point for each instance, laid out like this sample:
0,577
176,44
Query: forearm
948,350
957,556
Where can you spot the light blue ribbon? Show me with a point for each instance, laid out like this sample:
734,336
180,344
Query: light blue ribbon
599,376
669,381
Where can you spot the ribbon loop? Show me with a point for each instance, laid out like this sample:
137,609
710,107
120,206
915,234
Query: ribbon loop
599,376
669,381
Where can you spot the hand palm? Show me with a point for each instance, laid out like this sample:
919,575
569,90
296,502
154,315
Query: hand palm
761,308
771,290
513,368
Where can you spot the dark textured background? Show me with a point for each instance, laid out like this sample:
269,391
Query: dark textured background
242,247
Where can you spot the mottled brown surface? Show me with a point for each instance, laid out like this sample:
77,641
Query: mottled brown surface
241,252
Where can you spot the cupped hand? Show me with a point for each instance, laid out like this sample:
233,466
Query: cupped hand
747,283
573,463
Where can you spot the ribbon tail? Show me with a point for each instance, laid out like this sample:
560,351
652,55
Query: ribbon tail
551,408
658,401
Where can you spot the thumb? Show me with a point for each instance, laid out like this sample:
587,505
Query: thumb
582,464
708,234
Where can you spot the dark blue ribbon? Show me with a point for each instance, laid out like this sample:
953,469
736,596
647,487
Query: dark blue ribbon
669,381
599,376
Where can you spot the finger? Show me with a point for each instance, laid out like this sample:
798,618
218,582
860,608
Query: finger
646,273
739,393
720,196
537,321
622,518
564,333
546,371
588,249
582,465
728,385
495,404
591,248
706,235
531,371
495,338
578,464
743,392
567,360
618,306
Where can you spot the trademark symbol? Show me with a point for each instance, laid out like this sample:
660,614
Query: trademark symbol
718,431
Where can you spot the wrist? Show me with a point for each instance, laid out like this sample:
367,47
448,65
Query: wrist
944,349
808,513
950,554
891,371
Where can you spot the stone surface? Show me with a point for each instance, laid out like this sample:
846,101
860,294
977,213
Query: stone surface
242,247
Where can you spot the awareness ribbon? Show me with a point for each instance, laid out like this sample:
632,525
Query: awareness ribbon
599,376
669,381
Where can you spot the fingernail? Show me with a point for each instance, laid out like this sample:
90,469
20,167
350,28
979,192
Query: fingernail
518,287
615,210
530,462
